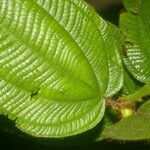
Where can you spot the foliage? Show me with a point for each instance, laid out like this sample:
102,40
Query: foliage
62,68
134,127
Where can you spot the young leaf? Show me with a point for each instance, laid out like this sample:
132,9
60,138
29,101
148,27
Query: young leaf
54,66
135,127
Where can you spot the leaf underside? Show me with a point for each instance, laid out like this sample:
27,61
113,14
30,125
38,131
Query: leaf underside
55,66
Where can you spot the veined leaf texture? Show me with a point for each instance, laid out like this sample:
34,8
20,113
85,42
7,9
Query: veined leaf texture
58,60
135,25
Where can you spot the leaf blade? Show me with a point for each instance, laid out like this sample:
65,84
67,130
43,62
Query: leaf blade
35,76
136,29
57,71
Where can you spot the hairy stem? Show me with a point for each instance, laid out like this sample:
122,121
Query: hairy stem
137,95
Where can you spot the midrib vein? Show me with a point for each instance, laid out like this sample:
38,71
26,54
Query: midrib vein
48,62
68,35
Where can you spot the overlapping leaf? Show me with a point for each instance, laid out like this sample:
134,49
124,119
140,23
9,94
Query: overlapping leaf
57,61
136,28
135,25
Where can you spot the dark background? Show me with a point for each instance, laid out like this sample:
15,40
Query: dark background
110,10
8,141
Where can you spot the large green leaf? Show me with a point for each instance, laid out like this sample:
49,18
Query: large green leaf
110,38
135,25
55,67
135,127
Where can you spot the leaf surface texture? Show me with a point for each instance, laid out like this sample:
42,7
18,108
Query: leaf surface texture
135,25
55,66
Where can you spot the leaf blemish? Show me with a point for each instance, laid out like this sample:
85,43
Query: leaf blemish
126,47
34,93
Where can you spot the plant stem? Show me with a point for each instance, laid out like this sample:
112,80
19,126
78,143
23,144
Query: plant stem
137,95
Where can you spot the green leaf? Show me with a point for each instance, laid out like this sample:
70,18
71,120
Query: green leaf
112,38
136,27
55,66
133,6
135,127
114,58
139,94
130,84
